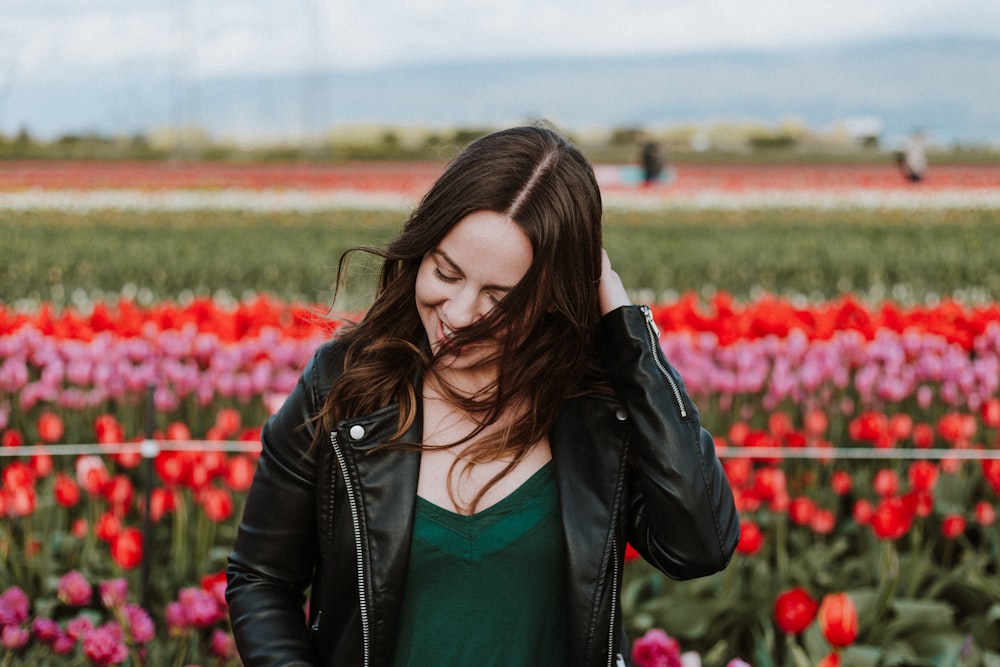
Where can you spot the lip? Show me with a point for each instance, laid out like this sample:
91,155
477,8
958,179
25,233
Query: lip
445,333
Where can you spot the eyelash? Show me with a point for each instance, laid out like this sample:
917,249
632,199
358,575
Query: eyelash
441,276
450,279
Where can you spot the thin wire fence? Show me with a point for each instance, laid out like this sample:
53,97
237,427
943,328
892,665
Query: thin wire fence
150,448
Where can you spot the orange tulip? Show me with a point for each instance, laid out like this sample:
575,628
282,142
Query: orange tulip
838,619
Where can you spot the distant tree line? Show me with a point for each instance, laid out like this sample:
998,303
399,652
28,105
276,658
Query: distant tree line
723,143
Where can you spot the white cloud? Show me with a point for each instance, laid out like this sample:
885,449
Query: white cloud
59,38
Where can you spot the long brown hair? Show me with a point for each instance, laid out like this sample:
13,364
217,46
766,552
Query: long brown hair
545,184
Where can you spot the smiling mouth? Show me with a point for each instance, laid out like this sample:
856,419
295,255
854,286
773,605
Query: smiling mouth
445,337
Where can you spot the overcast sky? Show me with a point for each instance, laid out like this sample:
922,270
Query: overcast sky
55,39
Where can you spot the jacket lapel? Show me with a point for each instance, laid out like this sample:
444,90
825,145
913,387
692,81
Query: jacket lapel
388,484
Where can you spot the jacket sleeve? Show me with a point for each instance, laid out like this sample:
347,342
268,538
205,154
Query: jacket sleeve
272,561
681,515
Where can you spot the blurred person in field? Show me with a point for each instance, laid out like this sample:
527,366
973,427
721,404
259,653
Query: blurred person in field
912,159
456,477
650,159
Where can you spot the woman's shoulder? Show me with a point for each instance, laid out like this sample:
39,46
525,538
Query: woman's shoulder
324,368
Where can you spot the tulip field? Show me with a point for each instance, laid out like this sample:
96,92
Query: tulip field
838,328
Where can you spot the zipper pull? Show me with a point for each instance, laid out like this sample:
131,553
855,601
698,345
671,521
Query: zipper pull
315,625
650,322
619,660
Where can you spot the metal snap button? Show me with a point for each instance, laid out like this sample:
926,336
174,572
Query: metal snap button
357,432
621,414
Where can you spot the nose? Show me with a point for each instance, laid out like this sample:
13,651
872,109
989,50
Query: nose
464,309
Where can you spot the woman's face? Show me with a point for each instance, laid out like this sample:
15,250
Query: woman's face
473,267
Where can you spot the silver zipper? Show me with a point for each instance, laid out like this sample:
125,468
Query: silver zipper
614,600
362,599
614,603
654,341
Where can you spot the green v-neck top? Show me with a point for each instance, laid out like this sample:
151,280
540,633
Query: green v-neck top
487,589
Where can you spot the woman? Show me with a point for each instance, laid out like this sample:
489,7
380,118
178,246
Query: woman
455,477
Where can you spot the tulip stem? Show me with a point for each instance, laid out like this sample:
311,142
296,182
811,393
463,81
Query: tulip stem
889,569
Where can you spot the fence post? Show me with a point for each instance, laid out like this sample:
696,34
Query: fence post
149,451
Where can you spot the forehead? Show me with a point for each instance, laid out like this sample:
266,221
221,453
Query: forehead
488,247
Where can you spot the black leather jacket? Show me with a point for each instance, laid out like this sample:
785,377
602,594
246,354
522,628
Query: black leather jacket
339,518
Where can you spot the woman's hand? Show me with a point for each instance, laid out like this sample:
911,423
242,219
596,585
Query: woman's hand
611,290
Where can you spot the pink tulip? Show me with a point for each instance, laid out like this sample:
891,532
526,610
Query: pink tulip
113,593
14,637
105,645
140,624
14,606
73,589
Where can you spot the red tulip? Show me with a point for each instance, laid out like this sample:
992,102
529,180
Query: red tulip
923,475
18,474
162,501
217,503
738,432
923,436
119,492
739,470
178,431
956,427
11,438
991,471
919,503
886,482
108,430
197,476
128,459
794,610
831,659
901,426
816,422
214,462
823,522
779,424
952,526
50,427
891,520
863,512
751,538
92,474
126,549
66,491
21,500
986,514
841,482
801,510
170,467
769,482
239,472
228,421
108,527
838,619
990,412
868,426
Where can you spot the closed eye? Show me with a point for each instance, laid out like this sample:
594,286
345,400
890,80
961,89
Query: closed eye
441,276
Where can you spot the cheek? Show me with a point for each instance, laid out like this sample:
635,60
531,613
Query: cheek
424,287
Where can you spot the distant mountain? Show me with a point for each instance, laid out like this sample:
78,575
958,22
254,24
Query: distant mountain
949,88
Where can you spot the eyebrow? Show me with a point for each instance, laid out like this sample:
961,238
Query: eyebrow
455,267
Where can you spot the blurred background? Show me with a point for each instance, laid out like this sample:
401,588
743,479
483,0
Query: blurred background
703,75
